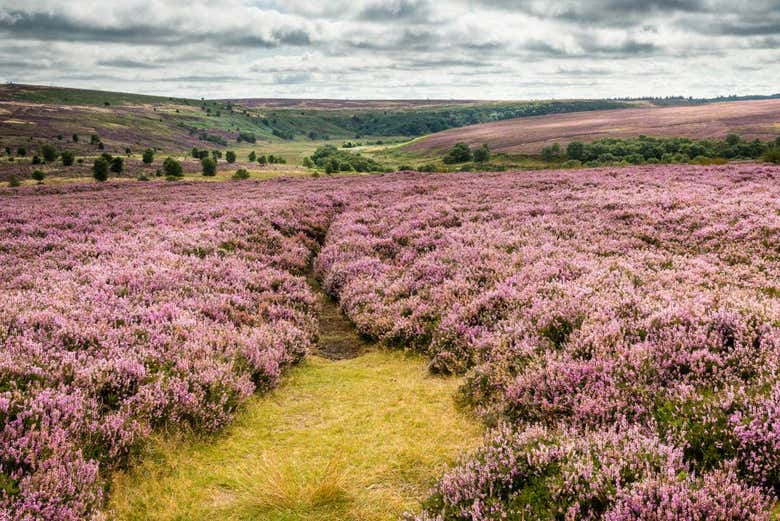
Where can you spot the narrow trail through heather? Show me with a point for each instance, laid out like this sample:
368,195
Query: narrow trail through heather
355,432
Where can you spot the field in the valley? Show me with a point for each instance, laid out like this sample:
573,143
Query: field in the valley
756,119
615,329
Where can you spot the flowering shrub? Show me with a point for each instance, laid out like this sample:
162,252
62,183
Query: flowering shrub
130,309
643,297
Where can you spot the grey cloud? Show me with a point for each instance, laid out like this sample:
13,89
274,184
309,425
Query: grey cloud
127,64
392,10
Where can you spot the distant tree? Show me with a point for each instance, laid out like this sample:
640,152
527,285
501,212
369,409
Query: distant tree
117,165
128,151
39,176
36,160
195,153
772,155
482,154
202,154
732,139
13,181
230,156
172,167
460,153
308,163
209,166
576,150
271,159
21,151
59,137
552,152
262,160
68,158
49,153
75,138
241,173
101,146
94,139
100,169
252,156
216,154
332,166
148,157
777,141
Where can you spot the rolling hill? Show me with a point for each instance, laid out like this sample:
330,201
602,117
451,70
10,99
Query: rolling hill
751,119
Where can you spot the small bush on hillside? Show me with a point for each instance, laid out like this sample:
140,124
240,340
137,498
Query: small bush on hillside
429,168
100,169
732,139
142,177
94,139
75,138
209,167
772,155
68,158
241,173
262,160
49,153
552,152
101,146
576,150
39,176
252,156
482,154
172,167
13,182
148,156
460,153
216,154
572,163
246,136
195,153
36,160
117,165
308,163
230,156
21,151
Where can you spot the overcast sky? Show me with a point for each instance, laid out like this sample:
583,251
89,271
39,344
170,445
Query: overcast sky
478,49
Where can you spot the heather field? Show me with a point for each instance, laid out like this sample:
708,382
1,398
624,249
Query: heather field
616,330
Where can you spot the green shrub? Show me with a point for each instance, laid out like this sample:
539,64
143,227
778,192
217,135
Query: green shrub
75,138
68,158
142,177
459,153
21,151
230,156
49,153
772,155
262,160
39,176
13,182
148,156
241,173
482,154
36,160
100,169
552,152
308,163
575,150
172,168
572,163
117,165
429,167
209,167
252,156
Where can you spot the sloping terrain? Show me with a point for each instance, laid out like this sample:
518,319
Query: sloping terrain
751,119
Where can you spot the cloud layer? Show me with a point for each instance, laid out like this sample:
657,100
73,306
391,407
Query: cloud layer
496,49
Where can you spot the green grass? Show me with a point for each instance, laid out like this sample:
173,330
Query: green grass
361,439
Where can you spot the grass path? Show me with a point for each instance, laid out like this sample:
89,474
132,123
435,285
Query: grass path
359,439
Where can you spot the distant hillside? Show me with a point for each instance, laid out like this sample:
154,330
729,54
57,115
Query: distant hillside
751,119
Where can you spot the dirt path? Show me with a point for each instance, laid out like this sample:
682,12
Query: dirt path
338,339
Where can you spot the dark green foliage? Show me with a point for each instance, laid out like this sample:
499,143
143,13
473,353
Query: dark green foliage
117,165
460,153
209,167
100,169
148,156
94,139
13,181
36,160
75,138
49,153
552,152
230,156
142,177
195,153
128,151
252,156
262,160
241,173
218,140
21,151
772,155
482,154
249,137
430,167
334,160
732,139
68,158
172,168
39,176
101,146
216,154
575,150
203,154
308,163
